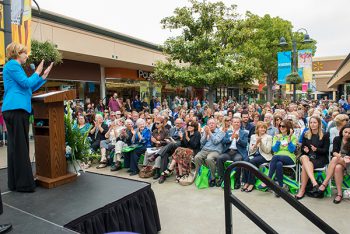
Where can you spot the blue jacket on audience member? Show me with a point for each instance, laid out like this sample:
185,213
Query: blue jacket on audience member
241,143
19,87
146,137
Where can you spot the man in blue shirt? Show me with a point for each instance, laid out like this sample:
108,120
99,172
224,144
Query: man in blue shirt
212,148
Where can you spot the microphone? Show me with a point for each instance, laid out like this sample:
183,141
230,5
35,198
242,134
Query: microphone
32,66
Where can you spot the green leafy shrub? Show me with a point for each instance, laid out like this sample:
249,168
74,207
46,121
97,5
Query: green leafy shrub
80,146
294,78
44,51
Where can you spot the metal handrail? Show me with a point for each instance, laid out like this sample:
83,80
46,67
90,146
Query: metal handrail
230,198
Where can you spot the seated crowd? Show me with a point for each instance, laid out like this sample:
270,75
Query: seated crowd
188,135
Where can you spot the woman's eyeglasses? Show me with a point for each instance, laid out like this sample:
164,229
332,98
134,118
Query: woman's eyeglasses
156,123
282,126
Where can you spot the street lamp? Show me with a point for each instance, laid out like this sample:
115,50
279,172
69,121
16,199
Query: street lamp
283,42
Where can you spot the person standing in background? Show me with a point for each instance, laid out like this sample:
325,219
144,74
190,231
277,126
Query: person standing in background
19,87
114,104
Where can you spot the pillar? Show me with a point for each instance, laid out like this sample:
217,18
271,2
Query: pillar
103,85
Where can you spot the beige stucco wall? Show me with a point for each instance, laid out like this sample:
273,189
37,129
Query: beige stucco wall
342,76
85,44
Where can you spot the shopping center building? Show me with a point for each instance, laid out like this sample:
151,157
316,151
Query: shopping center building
323,69
341,78
97,61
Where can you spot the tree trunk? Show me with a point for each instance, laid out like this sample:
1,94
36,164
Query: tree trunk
269,88
211,97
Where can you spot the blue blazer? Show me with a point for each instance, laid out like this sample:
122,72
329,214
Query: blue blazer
241,144
19,87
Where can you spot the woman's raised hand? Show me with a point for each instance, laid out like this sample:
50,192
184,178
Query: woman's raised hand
47,71
39,69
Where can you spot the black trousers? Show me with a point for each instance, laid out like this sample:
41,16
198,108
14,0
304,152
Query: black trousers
20,174
232,155
165,153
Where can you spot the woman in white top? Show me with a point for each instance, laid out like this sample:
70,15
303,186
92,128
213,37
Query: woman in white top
109,144
259,151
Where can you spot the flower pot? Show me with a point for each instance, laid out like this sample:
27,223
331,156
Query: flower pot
73,167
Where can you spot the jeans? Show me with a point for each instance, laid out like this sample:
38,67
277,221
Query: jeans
256,161
276,165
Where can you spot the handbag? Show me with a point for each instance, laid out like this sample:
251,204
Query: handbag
130,148
146,172
187,179
202,180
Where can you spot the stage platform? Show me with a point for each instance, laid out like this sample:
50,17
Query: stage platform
93,203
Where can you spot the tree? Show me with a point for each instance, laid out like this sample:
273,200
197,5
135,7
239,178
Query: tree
206,52
263,45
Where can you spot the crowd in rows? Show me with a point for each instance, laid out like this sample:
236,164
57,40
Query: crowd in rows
189,134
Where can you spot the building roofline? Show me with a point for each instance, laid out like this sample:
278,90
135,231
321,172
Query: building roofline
61,19
339,68
327,58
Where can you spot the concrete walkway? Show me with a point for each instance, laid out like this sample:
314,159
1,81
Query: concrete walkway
186,209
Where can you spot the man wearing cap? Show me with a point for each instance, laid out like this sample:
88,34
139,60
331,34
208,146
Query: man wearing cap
111,118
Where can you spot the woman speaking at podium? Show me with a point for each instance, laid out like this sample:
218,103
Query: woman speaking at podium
16,109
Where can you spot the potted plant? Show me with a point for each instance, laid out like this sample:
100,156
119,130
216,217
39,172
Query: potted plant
77,144
46,51
294,78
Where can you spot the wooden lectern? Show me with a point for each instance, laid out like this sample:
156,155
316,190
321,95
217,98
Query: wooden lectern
49,136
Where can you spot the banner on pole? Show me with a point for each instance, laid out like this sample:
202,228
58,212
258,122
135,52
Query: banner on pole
304,87
21,16
305,62
284,66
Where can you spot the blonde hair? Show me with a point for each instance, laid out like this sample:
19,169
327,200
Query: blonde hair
14,49
340,118
308,133
258,125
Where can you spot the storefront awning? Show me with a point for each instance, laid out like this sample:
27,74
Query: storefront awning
342,74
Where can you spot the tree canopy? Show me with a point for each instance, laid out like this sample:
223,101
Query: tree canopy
205,54
264,44
216,47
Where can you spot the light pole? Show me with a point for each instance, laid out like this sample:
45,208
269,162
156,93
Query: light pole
283,42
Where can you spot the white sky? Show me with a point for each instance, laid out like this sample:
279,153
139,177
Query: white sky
326,21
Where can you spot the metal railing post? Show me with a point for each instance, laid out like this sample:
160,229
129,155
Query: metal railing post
229,198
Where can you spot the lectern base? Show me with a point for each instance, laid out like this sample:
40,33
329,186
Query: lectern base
52,183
